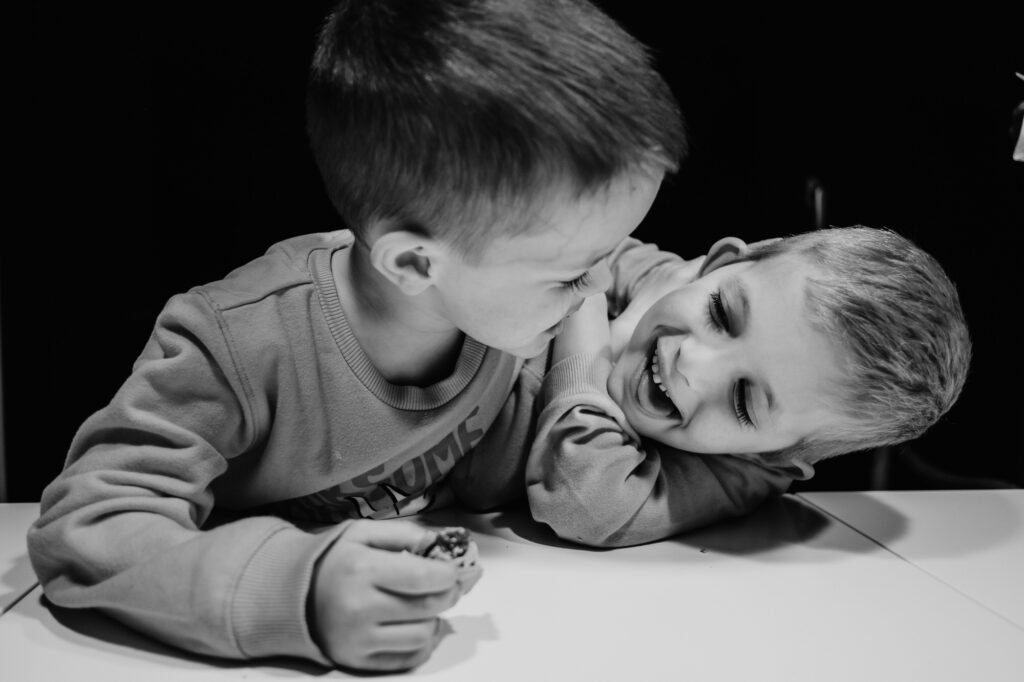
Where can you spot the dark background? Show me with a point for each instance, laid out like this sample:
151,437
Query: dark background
162,148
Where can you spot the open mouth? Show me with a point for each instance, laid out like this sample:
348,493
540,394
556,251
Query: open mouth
651,393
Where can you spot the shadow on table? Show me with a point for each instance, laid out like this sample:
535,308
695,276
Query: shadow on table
18,579
468,632
96,630
945,524
93,628
775,525
790,521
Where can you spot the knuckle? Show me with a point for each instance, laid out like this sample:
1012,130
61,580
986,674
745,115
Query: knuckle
356,561
356,609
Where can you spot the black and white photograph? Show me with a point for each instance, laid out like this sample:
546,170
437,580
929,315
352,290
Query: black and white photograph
512,340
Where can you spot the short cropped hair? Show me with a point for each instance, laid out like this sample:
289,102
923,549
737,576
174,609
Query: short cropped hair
453,117
897,321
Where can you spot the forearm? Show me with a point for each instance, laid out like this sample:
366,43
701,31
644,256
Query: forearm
585,475
585,332
238,591
642,274
595,482
630,263
121,527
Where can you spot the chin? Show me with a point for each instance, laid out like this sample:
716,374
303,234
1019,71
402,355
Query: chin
528,349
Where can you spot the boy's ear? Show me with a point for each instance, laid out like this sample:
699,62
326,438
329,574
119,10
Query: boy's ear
405,259
723,252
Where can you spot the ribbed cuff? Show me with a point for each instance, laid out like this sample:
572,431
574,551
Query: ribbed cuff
582,373
268,612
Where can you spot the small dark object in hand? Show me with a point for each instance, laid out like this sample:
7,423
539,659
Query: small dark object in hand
450,543
454,544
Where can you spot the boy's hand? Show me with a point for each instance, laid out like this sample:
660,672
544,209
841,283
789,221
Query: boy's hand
659,281
668,277
585,331
375,606
662,280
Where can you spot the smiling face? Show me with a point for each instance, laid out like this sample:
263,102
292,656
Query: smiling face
516,294
730,363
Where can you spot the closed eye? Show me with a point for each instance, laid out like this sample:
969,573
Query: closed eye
580,283
717,315
739,402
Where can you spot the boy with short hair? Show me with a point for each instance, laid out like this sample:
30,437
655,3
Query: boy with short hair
709,396
487,156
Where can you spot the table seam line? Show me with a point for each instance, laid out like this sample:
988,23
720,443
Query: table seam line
912,563
17,600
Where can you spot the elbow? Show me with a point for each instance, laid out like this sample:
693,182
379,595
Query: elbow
572,520
47,566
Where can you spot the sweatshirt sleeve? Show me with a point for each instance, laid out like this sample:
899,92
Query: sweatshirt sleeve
121,527
595,482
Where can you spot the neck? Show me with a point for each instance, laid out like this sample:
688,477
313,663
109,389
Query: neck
403,336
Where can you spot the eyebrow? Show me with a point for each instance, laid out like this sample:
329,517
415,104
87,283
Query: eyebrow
772,410
739,293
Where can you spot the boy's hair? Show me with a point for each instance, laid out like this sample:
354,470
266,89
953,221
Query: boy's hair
901,332
454,117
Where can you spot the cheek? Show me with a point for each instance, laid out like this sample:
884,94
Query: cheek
516,319
682,308
640,341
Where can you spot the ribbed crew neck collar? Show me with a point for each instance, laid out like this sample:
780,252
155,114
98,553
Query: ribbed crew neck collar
415,398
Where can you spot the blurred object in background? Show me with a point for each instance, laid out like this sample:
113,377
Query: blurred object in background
3,465
815,199
1017,128
902,467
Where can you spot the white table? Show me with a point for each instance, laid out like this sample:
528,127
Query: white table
16,576
789,593
972,540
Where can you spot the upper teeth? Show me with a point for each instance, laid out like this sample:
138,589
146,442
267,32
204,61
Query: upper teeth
655,373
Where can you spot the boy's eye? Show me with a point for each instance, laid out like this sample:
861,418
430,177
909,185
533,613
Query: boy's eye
718,316
580,283
739,401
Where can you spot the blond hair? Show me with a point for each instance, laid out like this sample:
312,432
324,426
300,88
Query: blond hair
896,318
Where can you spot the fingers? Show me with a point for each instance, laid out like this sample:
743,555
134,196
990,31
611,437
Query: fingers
409,574
468,577
406,637
395,661
390,535
391,607
375,603
399,646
